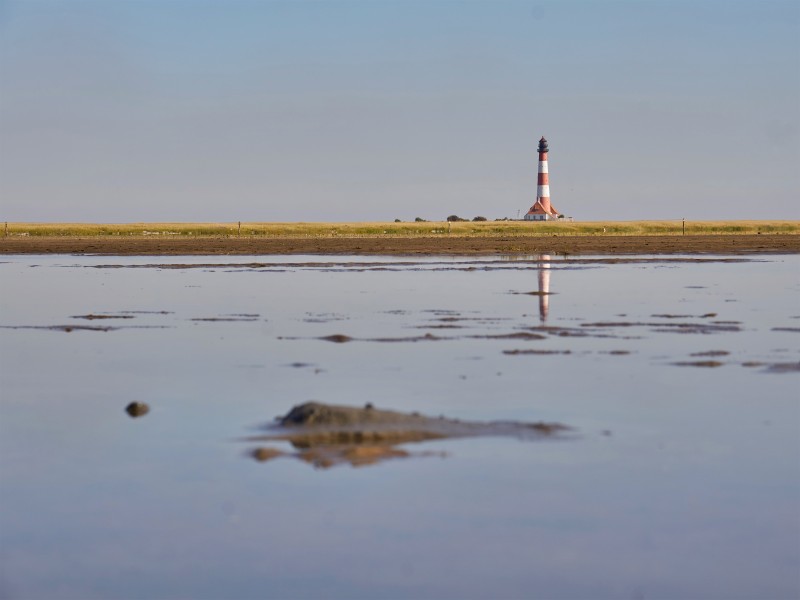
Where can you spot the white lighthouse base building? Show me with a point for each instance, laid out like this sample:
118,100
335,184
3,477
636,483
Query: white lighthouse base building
539,213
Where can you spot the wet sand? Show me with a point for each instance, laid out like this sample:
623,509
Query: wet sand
442,245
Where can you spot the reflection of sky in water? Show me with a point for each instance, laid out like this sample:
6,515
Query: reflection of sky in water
695,492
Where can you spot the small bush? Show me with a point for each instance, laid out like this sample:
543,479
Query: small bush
454,218
397,221
420,220
480,219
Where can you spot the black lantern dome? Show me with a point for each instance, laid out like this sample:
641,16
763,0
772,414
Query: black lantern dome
543,145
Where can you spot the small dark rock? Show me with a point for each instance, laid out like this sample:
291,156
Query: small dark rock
137,409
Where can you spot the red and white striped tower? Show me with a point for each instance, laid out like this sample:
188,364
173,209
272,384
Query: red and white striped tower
542,210
543,187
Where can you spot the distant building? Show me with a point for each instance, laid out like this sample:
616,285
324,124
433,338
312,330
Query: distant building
542,210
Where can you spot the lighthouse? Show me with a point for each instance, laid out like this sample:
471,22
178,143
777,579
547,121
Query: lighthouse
542,210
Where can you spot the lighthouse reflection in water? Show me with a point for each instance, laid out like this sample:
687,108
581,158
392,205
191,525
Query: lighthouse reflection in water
544,286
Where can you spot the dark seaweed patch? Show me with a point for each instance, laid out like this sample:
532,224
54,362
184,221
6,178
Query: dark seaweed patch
668,316
616,324
64,328
337,338
92,317
340,338
669,327
428,337
224,319
696,328
576,332
536,352
699,363
518,335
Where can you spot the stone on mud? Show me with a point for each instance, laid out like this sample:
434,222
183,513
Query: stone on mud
137,409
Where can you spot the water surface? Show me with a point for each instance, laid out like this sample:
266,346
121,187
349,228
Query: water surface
678,376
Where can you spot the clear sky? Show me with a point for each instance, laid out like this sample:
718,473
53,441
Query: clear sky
226,110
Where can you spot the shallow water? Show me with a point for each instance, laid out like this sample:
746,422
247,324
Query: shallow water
681,477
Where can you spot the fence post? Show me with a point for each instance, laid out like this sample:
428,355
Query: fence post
240,229
5,230
684,226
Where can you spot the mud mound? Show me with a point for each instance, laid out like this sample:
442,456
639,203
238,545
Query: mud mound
326,435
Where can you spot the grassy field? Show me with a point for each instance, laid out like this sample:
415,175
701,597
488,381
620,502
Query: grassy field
413,229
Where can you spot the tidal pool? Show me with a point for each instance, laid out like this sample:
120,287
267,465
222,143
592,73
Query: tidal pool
677,376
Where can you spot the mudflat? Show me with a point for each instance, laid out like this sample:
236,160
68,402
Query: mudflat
327,435
398,245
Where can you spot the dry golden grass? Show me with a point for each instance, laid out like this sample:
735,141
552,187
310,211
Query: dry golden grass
410,229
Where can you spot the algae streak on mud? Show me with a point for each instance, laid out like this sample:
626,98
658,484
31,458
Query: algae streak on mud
327,435
444,245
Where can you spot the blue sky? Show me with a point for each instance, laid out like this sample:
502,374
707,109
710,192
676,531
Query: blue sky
143,110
